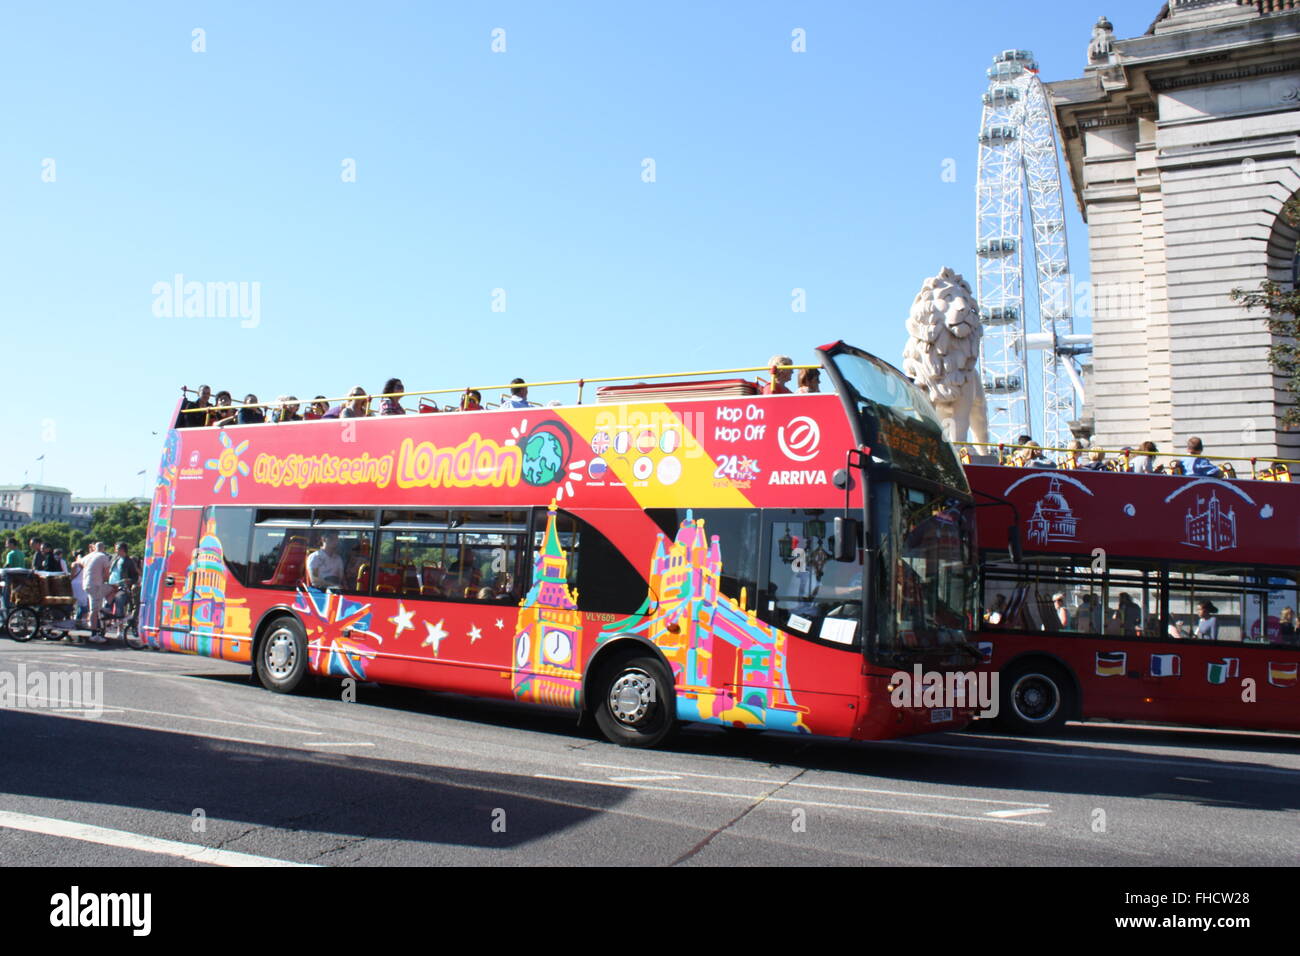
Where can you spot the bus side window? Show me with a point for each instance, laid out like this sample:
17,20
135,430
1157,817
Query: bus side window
233,527
278,557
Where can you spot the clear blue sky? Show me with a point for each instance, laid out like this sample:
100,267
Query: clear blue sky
474,171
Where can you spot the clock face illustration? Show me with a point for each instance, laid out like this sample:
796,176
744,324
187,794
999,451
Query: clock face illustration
557,647
522,647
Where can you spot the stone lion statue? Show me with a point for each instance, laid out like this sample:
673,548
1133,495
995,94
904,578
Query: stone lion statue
942,354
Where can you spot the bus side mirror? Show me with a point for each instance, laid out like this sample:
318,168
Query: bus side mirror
848,532
1013,544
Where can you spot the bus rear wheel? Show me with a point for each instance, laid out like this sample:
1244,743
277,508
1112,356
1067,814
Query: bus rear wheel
282,656
635,704
1036,699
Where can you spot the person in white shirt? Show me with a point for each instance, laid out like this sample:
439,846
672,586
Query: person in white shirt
518,394
325,566
95,580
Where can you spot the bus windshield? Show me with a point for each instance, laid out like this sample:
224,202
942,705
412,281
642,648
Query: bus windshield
898,422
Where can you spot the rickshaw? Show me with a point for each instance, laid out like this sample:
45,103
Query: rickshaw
36,598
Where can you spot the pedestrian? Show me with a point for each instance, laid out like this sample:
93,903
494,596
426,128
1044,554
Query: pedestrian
96,584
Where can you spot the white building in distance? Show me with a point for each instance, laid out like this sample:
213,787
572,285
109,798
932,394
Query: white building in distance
1182,146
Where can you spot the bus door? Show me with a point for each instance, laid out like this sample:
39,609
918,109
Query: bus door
175,598
816,602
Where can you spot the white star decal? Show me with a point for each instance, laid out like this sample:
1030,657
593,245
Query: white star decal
500,624
474,633
404,620
435,638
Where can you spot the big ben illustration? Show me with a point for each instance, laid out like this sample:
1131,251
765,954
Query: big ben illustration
548,642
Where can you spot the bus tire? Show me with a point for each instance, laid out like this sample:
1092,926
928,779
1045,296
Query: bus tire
1037,698
636,704
282,656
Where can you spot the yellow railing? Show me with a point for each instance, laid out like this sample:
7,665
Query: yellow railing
580,382
1008,453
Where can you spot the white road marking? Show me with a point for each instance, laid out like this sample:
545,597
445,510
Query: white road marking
823,786
644,777
1004,814
798,803
339,743
125,840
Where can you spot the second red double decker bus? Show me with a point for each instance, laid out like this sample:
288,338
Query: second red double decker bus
1169,599
679,552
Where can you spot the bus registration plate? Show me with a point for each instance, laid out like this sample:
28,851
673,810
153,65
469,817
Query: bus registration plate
941,716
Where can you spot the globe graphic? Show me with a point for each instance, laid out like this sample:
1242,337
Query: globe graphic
543,458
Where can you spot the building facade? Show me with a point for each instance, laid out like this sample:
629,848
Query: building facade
37,502
1182,147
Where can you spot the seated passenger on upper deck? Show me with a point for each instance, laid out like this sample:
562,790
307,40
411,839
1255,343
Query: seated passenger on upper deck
318,409
518,394
194,414
391,403
287,410
471,401
780,376
358,405
220,409
809,381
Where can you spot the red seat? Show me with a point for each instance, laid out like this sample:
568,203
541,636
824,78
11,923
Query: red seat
293,563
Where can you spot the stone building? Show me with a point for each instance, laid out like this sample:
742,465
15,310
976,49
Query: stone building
1182,147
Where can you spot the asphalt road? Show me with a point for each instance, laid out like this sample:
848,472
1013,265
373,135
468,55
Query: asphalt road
191,763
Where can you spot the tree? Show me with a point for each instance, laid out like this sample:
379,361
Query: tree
124,521
59,534
1281,305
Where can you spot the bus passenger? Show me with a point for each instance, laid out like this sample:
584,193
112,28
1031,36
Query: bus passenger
1074,456
997,614
194,414
1207,628
1127,617
287,410
1062,612
471,401
1195,464
1286,632
1146,463
319,408
809,381
251,413
391,403
518,394
325,566
1088,617
358,405
780,376
220,409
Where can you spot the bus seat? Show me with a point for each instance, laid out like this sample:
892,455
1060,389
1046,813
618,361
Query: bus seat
293,562
389,580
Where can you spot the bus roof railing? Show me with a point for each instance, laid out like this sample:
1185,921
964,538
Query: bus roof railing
1123,454
580,382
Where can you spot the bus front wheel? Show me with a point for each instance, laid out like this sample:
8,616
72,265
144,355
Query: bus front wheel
282,656
636,703
1036,699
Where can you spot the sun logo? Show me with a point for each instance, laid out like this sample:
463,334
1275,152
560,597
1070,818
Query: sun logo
228,465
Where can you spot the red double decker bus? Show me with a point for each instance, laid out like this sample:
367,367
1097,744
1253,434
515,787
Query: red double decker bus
1169,599
689,551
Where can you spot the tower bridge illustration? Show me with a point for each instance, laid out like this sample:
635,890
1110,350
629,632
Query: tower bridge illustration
729,667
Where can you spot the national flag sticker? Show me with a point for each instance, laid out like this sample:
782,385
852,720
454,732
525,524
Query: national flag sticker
600,443
1111,663
643,469
986,651
670,440
622,442
596,469
646,442
1166,665
1282,675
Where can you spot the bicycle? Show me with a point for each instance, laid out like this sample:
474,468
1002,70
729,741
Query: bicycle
123,626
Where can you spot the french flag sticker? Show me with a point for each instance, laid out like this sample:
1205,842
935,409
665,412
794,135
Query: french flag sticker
1166,665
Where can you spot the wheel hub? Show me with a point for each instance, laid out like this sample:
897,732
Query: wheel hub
631,697
280,654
